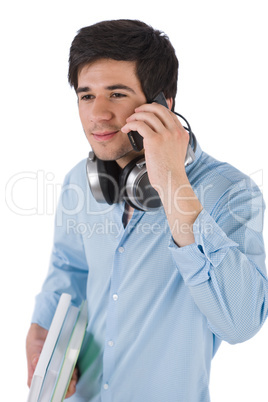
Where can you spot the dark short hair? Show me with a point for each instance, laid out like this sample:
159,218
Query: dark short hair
128,40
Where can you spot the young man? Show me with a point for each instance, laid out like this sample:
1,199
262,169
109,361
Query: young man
163,286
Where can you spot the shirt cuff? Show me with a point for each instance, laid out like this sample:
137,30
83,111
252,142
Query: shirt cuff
209,249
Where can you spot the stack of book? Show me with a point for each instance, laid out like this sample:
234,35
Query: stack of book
59,355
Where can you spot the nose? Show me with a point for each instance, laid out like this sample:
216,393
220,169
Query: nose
101,110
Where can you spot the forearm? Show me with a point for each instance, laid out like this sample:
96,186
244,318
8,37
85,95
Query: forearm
227,286
234,298
182,207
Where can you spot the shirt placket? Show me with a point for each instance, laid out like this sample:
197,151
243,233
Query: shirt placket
112,323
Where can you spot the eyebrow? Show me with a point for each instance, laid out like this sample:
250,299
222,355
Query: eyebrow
109,88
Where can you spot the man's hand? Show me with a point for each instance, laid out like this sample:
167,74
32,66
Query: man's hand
72,385
165,145
34,344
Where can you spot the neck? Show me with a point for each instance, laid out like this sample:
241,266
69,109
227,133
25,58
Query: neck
124,160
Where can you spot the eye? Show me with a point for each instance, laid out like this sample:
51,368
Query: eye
86,97
118,95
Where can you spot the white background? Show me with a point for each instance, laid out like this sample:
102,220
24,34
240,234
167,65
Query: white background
222,90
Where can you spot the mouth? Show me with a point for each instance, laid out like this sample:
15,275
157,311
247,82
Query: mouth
104,136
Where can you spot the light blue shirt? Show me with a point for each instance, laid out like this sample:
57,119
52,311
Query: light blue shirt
157,312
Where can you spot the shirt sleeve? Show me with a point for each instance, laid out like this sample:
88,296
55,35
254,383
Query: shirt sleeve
68,269
225,268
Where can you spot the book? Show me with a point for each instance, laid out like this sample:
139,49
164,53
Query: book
48,347
71,356
57,357
60,352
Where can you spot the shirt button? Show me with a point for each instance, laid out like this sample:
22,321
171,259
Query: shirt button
111,343
115,297
121,250
106,386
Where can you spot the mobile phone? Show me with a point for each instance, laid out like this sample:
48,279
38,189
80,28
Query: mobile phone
135,138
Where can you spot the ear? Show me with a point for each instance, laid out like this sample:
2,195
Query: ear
169,103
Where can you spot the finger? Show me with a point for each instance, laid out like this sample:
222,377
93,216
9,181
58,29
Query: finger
158,113
152,107
143,129
167,117
72,386
71,389
151,119
163,113
31,368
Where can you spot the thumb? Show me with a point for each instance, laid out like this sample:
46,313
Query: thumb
35,360
31,368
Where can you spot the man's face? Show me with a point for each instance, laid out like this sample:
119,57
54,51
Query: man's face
108,92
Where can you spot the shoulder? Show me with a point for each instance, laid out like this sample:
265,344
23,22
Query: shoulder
214,180
74,188
77,174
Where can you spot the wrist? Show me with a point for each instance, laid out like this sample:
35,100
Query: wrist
182,208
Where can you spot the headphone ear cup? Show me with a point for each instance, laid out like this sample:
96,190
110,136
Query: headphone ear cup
123,181
136,188
109,172
109,184
103,178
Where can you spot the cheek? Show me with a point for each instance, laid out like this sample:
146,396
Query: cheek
83,117
80,112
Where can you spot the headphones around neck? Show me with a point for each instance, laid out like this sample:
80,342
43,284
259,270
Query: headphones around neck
110,184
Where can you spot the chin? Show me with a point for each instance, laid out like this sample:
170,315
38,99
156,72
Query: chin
109,155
